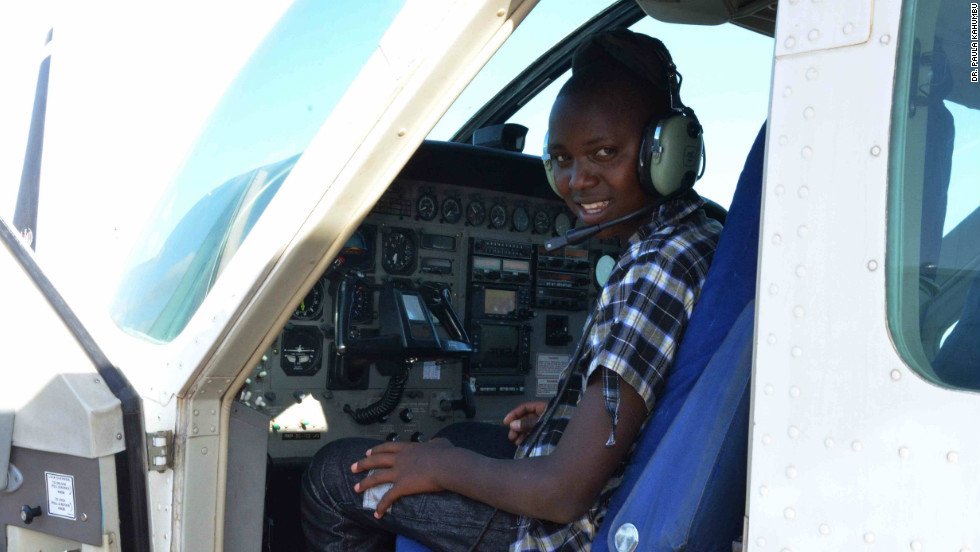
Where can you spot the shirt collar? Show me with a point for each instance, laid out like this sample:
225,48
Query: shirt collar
667,214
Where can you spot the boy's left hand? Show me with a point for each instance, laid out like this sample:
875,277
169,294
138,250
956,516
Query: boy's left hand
411,468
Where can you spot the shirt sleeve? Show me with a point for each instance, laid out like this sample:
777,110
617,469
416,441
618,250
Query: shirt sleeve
639,325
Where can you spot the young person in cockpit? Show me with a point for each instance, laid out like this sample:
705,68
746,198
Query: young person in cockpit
551,493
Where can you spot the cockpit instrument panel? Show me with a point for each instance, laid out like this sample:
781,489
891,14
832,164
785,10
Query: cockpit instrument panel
441,306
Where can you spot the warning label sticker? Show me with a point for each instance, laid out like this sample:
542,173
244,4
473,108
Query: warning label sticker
61,495
549,369
431,370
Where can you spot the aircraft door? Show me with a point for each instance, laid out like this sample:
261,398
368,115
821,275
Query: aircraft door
62,438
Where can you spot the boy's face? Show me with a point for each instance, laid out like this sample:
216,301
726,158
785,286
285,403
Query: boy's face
594,141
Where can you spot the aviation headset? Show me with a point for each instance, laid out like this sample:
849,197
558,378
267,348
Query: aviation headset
672,146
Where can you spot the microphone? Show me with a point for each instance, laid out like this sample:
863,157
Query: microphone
579,235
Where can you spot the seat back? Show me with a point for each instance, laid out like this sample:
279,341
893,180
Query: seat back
728,288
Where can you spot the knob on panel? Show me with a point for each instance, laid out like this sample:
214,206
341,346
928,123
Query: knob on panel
28,513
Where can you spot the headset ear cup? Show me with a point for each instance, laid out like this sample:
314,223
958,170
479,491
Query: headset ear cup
670,154
549,172
645,160
549,166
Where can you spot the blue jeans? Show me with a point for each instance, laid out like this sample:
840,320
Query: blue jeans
334,521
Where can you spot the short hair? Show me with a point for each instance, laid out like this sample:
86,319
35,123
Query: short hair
624,60
604,78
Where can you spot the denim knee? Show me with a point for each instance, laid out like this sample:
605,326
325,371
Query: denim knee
328,478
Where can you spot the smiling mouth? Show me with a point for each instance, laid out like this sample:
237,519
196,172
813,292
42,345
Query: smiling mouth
593,208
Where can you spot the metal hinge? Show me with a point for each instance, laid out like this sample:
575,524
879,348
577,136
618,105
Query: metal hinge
160,450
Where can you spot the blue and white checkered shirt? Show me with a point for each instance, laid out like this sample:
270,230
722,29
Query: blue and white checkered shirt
633,331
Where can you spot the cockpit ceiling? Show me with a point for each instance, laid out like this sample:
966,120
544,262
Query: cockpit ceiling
755,15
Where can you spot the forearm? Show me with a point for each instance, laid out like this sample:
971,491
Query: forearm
531,487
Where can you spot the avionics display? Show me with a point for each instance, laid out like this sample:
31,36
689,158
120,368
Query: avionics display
499,301
500,347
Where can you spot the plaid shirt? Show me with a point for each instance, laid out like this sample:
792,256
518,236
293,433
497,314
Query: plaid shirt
633,331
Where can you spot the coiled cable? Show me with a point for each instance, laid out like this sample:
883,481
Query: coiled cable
384,406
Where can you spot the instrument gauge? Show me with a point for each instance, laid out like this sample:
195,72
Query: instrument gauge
520,220
302,351
498,216
542,222
425,207
451,210
562,223
399,251
476,213
311,306
358,252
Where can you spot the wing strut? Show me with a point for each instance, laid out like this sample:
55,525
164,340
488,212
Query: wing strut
25,213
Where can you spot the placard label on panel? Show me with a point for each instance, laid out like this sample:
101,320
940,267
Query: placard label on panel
61,495
431,370
548,372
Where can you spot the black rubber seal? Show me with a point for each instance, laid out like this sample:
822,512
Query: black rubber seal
131,467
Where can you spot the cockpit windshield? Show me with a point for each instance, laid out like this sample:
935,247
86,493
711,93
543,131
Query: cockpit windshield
253,139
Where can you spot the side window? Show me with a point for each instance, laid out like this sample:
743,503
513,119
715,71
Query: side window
934,196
